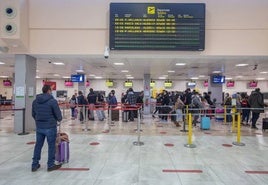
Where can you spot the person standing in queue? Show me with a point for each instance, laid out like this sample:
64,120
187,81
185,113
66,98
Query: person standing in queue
46,113
256,103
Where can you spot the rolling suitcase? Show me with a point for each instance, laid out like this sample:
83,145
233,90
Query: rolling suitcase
264,124
100,115
62,154
205,123
125,116
115,115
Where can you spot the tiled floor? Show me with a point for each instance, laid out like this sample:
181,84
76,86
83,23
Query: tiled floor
116,161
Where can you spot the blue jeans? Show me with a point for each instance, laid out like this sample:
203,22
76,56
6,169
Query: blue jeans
41,134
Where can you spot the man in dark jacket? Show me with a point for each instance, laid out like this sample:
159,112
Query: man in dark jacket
131,100
46,113
256,102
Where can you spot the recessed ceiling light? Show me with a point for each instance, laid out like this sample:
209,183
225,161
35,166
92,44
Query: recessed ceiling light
124,71
2,63
239,76
66,77
216,72
56,75
241,65
162,78
79,70
130,77
180,64
228,78
260,78
264,72
98,77
194,78
37,70
3,76
165,75
92,75
171,71
119,64
58,63
202,76
37,77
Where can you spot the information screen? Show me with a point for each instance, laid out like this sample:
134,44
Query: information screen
157,26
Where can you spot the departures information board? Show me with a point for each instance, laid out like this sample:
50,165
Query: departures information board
157,26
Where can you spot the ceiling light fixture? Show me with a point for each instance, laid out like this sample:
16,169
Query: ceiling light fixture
260,78
228,78
194,78
241,65
80,71
119,64
130,77
98,77
162,78
58,63
180,64
124,71
215,72
171,71
4,76
66,77
264,72
2,63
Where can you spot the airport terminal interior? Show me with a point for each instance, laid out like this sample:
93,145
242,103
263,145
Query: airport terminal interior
153,47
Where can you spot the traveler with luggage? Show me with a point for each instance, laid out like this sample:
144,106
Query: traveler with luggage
46,113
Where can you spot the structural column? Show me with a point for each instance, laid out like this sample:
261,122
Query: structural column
216,90
24,91
147,94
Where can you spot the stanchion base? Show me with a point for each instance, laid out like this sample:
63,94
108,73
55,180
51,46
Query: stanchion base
184,130
238,144
23,133
86,129
137,130
190,145
138,143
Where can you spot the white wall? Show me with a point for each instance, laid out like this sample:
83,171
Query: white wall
233,27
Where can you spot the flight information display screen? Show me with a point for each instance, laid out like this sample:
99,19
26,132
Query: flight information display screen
157,26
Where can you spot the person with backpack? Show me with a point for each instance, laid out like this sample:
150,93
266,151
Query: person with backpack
245,110
73,104
82,103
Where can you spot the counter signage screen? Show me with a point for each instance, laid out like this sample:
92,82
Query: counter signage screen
157,26
218,79
128,84
78,78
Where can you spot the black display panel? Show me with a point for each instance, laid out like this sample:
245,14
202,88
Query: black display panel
157,26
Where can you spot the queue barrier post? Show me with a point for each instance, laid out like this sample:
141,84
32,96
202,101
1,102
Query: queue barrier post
190,144
185,120
85,113
23,124
224,114
238,138
233,119
138,143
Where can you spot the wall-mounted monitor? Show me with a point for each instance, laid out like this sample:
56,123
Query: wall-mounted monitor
7,83
168,84
218,79
157,26
191,84
128,83
78,78
87,83
230,83
109,83
61,94
68,84
205,84
152,83
252,84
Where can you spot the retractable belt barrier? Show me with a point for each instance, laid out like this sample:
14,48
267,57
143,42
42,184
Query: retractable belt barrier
23,117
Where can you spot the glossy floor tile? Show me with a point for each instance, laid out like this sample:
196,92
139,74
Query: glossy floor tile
115,160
